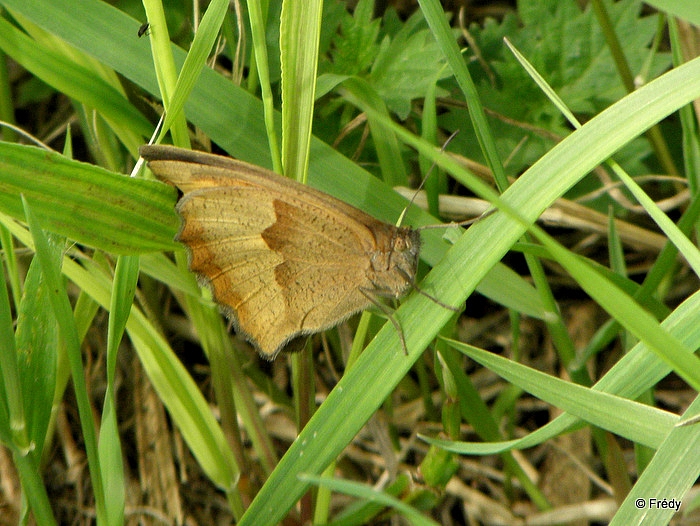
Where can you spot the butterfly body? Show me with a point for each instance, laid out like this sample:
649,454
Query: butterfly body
284,260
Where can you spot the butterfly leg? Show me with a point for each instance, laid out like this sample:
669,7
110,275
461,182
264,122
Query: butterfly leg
389,314
420,291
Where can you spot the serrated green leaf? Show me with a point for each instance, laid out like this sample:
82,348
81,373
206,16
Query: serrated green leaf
355,45
407,65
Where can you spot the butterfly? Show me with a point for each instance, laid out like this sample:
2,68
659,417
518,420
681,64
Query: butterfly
283,260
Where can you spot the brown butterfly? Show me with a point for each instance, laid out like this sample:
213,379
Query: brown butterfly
284,260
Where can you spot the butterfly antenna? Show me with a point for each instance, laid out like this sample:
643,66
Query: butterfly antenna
422,183
466,222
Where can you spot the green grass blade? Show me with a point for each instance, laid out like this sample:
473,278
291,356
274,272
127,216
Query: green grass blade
161,63
257,29
361,94
670,474
8,351
60,303
369,494
70,78
638,371
87,203
171,380
109,446
299,39
637,422
434,14
687,10
196,59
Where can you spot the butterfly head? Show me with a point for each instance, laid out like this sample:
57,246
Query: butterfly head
394,264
